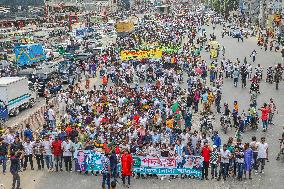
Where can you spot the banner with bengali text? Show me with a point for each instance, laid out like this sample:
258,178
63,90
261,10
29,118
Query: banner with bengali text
87,160
141,54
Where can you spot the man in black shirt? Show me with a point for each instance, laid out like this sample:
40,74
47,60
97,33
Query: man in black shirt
14,168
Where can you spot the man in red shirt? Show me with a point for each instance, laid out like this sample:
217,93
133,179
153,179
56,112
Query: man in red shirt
206,158
264,116
57,152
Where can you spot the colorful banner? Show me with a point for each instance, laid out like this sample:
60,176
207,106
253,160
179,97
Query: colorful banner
88,160
141,54
29,54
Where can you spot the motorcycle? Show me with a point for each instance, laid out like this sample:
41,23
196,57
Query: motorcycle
225,123
269,78
254,88
206,124
259,74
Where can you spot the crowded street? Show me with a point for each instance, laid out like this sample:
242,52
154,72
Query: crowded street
177,100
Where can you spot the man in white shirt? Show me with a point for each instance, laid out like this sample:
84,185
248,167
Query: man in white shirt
262,153
225,156
51,116
68,149
47,154
28,149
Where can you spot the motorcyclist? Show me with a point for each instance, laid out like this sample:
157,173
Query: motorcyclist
258,71
270,73
252,115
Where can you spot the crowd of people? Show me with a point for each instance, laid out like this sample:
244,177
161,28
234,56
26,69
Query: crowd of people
146,107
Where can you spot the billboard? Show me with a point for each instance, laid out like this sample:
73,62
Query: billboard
29,54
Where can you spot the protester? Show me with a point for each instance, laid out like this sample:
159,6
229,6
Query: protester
126,167
106,171
15,168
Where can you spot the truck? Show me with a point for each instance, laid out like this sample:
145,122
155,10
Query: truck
15,96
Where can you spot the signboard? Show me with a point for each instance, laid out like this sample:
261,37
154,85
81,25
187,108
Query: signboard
29,54
141,54
124,26
88,160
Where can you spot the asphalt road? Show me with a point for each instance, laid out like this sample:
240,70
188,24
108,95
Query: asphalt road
274,170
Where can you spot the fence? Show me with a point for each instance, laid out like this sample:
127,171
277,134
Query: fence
36,120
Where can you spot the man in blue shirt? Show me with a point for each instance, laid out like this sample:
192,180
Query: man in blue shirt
28,133
216,139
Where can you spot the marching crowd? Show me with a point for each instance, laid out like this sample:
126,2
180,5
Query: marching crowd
141,109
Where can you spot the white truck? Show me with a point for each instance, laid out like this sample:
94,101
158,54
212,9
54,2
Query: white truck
15,95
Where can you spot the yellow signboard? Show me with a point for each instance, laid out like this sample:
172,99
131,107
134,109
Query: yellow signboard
141,54
124,26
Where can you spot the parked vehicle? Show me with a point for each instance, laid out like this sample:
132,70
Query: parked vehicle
15,96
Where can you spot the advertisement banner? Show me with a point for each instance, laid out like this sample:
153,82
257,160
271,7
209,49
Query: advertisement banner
87,160
141,54
29,54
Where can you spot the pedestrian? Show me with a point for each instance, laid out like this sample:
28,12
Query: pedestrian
15,168
214,161
113,164
67,148
28,149
254,146
239,155
57,153
106,171
47,154
216,139
28,133
236,77
272,110
253,55
206,159
3,154
38,152
51,116
225,156
248,156
262,154
126,166
264,116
